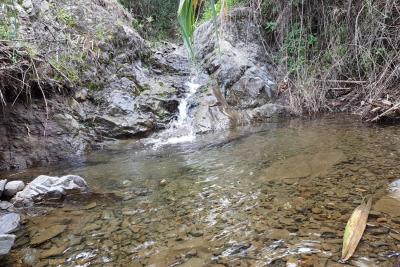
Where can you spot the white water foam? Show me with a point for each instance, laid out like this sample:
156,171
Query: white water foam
180,130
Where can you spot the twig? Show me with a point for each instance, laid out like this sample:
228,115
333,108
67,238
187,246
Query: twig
386,112
343,81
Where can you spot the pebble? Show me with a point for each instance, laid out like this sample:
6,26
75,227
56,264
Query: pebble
316,210
378,231
191,253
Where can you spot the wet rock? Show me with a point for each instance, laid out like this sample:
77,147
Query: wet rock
304,165
328,233
53,251
396,220
196,233
6,242
2,185
13,187
389,205
9,223
48,186
30,256
191,253
316,210
278,234
47,234
378,231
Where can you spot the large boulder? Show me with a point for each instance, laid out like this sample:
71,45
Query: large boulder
245,80
48,186
6,243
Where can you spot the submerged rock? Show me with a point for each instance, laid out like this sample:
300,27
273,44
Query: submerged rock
47,234
49,186
13,187
9,223
304,165
6,242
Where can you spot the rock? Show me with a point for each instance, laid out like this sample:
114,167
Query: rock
378,231
316,210
81,95
396,220
4,205
53,251
389,205
244,78
6,242
163,182
278,234
47,234
48,186
191,253
303,165
2,186
13,188
196,233
30,256
9,223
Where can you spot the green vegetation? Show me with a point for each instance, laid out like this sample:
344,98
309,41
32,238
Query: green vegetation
153,19
8,21
65,17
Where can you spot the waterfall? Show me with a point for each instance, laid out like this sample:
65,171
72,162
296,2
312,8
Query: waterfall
180,130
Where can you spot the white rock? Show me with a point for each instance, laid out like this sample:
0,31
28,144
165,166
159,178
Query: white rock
44,186
9,223
6,242
2,185
13,187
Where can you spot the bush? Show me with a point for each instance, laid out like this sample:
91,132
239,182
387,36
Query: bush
154,19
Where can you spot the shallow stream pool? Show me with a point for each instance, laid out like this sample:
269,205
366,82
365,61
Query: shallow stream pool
273,195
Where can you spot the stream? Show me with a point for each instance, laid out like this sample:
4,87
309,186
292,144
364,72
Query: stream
277,194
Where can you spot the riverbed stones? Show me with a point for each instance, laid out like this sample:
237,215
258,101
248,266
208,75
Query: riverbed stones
6,242
47,234
48,186
9,223
13,188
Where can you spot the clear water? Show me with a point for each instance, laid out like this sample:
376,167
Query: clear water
272,195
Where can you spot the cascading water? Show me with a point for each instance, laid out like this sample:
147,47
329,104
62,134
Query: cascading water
180,130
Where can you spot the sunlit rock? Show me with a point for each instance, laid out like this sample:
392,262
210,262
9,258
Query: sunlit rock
48,186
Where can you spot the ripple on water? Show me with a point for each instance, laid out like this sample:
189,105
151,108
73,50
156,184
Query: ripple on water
276,195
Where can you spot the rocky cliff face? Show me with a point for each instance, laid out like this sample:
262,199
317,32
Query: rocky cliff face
97,76
244,88
89,78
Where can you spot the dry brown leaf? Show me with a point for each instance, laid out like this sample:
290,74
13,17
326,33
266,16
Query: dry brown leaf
354,229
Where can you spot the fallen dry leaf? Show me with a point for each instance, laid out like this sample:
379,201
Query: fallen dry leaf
354,229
